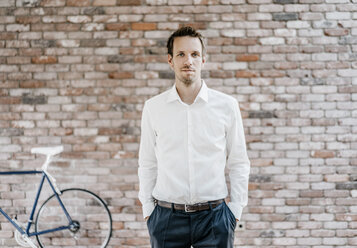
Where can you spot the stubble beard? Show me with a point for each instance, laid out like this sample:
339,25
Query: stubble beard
187,80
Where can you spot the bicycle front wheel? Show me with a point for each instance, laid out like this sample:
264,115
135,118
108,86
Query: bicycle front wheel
91,221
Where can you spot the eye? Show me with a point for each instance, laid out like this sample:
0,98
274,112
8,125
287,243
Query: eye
194,55
181,54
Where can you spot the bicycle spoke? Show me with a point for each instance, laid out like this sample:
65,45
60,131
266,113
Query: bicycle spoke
91,226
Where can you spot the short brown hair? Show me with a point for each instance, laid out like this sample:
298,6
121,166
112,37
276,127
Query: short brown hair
184,31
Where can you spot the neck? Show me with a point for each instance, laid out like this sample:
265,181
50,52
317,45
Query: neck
188,93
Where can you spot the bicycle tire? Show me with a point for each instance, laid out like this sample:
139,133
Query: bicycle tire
85,208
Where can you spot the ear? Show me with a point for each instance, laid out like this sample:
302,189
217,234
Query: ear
169,61
203,60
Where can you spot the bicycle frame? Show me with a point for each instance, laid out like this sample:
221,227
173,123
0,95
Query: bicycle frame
30,221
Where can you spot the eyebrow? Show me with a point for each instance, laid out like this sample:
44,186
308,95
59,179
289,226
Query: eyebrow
195,51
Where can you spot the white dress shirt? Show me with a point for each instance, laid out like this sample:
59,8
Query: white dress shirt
184,150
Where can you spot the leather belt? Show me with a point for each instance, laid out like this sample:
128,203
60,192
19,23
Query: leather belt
190,208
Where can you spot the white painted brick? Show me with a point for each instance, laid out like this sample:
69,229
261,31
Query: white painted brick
324,57
272,41
10,148
285,32
322,186
348,73
338,15
335,241
310,32
296,7
85,131
309,241
336,225
284,241
234,65
283,225
270,8
233,33
259,16
297,24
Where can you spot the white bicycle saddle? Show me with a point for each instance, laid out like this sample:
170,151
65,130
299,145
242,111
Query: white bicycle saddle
49,151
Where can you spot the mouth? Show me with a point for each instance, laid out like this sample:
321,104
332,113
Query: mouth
188,70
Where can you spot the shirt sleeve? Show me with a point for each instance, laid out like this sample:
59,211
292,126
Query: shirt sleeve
238,163
147,163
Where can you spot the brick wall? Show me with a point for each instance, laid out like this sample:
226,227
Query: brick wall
76,72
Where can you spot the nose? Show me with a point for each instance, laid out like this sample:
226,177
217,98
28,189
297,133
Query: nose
188,60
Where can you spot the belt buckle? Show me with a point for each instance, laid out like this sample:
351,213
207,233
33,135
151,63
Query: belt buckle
187,210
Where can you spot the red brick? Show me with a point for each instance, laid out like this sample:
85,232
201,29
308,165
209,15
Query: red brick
123,139
121,75
132,51
18,60
9,116
261,162
104,2
273,73
117,26
30,51
336,32
7,35
19,76
195,25
28,19
4,92
221,74
135,242
42,27
129,2
84,147
246,74
68,27
335,49
261,210
78,3
71,92
323,154
150,59
245,41
99,107
247,57
298,202
110,131
10,100
44,60
221,41
72,155
143,26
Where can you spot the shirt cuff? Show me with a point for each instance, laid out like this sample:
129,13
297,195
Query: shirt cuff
147,209
236,209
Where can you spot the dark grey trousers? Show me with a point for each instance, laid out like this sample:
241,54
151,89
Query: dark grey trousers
169,228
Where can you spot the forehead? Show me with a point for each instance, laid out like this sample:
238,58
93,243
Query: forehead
187,43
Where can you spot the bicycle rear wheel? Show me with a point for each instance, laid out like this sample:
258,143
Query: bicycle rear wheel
92,221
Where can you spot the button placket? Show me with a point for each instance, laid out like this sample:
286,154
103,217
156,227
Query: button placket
189,155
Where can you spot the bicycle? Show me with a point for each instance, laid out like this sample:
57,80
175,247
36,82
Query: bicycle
68,218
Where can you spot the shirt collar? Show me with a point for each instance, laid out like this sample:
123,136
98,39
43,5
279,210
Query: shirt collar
203,93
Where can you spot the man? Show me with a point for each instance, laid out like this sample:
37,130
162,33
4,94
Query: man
189,134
